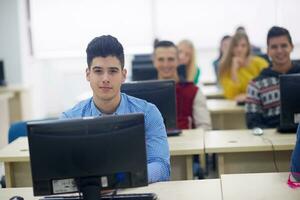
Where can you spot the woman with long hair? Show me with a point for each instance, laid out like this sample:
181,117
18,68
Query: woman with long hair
238,67
187,57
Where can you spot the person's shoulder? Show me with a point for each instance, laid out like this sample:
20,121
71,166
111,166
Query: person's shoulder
296,67
78,109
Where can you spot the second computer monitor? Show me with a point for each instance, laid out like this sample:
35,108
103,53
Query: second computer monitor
161,93
290,102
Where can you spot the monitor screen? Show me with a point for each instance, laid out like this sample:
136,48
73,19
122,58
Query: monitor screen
162,93
87,154
143,70
2,76
290,101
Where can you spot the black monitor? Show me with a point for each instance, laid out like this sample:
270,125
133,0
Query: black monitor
162,93
143,70
143,57
87,155
290,102
2,75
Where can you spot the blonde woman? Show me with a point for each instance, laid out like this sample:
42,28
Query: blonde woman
187,56
238,67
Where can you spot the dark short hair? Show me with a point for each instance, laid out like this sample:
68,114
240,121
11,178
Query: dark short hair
103,46
164,43
277,31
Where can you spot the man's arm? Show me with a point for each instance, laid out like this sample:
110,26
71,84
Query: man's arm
201,114
295,161
158,155
253,106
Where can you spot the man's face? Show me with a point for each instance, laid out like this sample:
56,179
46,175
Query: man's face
106,77
279,49
165,60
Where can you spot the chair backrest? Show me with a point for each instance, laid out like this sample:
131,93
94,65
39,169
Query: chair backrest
16,130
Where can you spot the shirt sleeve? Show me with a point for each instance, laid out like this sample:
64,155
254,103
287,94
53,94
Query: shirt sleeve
201,114
295,161
253,107
158,155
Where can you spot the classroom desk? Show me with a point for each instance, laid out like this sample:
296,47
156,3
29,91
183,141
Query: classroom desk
262,186
4,117
175,190
226,114
19,103
239,151
182,148
212,92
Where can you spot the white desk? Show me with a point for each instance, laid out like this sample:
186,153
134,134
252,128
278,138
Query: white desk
19,103
182,148
212,92
263,186
239,151
226,114
175,190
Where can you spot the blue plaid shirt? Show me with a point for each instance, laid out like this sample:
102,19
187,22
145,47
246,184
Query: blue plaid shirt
158,156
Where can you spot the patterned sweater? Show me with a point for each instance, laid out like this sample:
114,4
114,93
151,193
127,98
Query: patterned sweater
263,99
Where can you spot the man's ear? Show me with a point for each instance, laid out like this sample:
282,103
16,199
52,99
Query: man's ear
124,74
87,74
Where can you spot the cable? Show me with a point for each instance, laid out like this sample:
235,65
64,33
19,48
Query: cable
273,152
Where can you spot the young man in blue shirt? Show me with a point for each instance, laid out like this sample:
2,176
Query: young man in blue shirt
106,73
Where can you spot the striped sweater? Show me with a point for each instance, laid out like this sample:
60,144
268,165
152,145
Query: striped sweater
263,99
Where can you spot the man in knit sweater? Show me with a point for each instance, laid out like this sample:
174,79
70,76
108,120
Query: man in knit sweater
263,97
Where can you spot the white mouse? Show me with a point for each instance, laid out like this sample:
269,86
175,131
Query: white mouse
257,131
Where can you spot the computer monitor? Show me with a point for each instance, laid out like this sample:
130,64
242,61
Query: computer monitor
290,102
143,70
87,154
162,93
2,75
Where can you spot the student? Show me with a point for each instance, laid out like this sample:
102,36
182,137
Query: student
238,67
224,45
106,73
187,57
263,99
295,160
192,111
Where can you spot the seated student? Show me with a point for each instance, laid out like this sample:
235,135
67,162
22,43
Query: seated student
238,67
263,99
224,45
106,73
295,160
192,111
187,57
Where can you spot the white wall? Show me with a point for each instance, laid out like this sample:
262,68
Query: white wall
61,30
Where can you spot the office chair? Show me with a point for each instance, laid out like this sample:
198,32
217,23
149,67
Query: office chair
16,130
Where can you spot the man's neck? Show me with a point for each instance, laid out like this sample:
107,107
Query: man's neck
284,68
107,106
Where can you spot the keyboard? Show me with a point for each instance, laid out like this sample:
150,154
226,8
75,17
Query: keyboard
135,196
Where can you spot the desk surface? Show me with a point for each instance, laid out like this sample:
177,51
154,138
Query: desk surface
262,186
187,190
225,141
189,142
212,91
216,106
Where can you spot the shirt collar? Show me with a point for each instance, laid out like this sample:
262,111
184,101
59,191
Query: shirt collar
121,109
